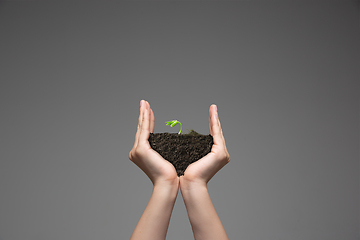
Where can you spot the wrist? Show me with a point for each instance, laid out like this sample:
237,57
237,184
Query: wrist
192,191
166,188
191,185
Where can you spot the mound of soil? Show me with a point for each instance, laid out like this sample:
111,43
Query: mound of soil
181,150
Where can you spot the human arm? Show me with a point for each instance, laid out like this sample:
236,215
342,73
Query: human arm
204,220
155,219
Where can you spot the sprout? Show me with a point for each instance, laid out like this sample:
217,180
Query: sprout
173,123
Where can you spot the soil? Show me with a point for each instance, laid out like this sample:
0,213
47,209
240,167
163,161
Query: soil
181,149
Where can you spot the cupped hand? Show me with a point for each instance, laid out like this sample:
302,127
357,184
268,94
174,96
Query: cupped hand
152,163
205,168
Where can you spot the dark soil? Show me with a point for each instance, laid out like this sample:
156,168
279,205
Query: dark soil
181,150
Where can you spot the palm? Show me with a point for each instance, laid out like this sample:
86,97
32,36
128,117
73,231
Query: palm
154,166
202,169
159,166
205,168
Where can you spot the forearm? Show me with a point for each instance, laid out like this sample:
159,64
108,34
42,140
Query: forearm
203,218
154,222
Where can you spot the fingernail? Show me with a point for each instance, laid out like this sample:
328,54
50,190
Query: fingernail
215,107
141,102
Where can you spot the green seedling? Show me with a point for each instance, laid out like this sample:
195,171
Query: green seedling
193,132
173,123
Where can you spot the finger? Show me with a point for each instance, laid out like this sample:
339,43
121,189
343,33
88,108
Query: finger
215,128
141,114
145,126
210,128
212,110
152,121
141,109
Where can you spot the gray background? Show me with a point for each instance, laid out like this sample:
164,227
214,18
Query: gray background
285,77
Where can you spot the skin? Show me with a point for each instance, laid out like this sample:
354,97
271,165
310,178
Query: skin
204,220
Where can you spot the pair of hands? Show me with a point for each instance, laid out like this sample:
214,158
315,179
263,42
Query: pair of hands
161,171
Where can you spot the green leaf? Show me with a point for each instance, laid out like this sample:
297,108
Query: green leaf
174,123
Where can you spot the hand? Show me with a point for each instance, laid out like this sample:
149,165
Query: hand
205,168
154,166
